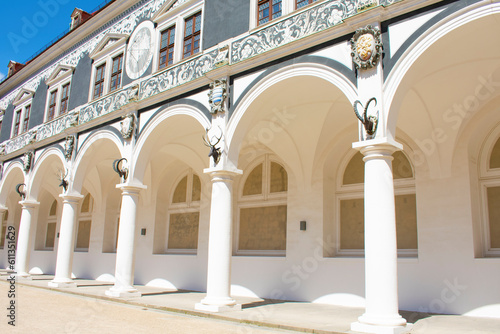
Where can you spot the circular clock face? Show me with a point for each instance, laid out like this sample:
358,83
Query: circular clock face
140,50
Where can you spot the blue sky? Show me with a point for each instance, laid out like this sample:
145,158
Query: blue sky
28,25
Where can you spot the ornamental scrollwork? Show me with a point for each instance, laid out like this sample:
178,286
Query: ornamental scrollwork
217,95
366,47
314,20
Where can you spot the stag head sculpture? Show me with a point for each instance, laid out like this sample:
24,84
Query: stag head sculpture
215,152
62,177
369,122
21,193
120,169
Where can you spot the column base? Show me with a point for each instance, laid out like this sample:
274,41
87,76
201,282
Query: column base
123,293
23,276
377,329
62,284
217,308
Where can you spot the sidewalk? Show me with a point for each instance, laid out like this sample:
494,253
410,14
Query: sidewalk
296,316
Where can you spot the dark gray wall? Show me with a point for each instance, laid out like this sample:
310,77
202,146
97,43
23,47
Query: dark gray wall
224,19
7,123
80,83
38,105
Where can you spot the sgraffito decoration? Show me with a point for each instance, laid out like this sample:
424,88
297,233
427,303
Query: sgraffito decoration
366,47
217,95
27,159
69,146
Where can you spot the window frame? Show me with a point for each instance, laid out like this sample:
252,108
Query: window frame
23,101
167,47
266,199
189,206
56,83
117,73
488,177
402,186
176,17
103,55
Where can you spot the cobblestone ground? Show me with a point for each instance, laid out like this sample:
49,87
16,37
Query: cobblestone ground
43,311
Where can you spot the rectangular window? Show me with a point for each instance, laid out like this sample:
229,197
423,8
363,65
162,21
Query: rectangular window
263,228
51,235
302,3
26,121
167,47
17,123
192,35
64,99
99,81
116,75
268,10
183,230
83,236
52,105
2,238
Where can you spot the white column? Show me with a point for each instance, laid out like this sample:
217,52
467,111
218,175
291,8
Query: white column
218,297
124,271
23,239
66,243
381,276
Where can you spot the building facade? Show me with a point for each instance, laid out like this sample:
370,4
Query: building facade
212,145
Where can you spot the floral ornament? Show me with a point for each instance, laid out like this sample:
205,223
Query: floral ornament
366,47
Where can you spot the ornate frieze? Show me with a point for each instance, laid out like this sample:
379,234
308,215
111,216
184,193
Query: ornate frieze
178,75
104,106
56,126
17,143
365,4
298,26
366,47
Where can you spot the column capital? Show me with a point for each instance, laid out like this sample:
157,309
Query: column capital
71,197
377,146
29,204
218,173
131,187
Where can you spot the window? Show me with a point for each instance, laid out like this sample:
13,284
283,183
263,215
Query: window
262,210
167,43
51,227
489,181
268,10
64,99
116,73
3,225
84,224
350,207
26,120
17,122
302,3
184,215
59,83
192,30
99,81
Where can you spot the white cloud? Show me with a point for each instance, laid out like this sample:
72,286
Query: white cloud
2,76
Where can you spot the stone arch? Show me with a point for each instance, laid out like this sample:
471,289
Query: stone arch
44,172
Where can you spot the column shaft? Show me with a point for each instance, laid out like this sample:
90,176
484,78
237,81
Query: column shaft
23,239
66,243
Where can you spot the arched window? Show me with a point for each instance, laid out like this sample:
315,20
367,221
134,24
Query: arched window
184,215
350,207
489,180
84,224
262,210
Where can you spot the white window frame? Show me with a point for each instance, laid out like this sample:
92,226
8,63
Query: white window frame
56,83
22,101
258,201
488,177
189,206
104,54
177,17
404,186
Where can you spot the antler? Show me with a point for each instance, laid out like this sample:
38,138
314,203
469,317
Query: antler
62,178
21,192
121,171
369,122
215,152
